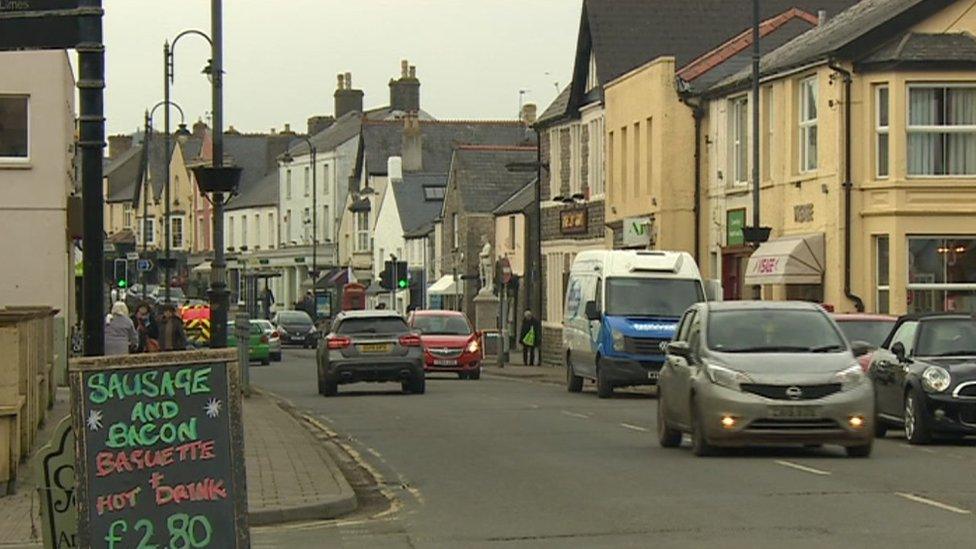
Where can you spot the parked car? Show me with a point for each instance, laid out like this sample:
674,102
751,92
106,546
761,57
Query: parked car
620,306
865,332
450,345
296,328
370,346
274,339
924,377
257,343
740,373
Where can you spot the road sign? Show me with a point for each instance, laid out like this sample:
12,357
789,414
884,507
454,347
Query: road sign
506,270
144,265
39,24
132,256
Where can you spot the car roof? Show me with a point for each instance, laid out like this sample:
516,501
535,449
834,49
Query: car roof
850,317
437,312
936,315
369,313
762,305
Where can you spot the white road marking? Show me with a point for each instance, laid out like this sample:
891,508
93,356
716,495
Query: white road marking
921,448
534,406
634,427
574,414
374,452
803,468
933,503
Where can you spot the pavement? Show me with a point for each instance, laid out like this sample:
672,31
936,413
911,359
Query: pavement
514,462
290,474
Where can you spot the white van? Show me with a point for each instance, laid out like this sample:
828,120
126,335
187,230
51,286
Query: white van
620,306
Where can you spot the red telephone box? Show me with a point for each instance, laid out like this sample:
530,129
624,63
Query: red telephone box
353,297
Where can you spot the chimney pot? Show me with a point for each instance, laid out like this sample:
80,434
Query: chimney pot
821,17
339,84
528,114
348,80
287,128
413,71
404,68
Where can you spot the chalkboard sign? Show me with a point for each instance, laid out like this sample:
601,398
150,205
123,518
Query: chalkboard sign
160,461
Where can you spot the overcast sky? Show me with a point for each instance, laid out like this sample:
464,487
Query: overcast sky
281,56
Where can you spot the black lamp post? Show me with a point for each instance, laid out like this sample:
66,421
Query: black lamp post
287,158
756,234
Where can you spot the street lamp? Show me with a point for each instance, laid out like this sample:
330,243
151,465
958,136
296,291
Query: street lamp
287,158
536,272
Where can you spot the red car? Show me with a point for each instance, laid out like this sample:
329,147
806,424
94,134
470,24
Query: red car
865,329
450,345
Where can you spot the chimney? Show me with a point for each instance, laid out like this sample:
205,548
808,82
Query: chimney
528,114
318,124
199,129
821,17
347,100
118,144
412,148
405,92
231,130
287,130
394,168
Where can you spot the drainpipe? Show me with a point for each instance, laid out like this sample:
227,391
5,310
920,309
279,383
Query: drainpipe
698,112
848,186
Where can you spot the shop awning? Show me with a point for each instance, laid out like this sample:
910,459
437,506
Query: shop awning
788,260
444,286
202,268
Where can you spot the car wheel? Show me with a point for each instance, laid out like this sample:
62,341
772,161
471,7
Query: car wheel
474,374
603,387
276,357
861,451
666,436
880,427
699,442
328,388
574,383
916,426
265,362
418,386
462,375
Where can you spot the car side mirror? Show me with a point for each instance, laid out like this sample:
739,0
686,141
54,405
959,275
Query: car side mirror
678,348
861,348
898,349
592,312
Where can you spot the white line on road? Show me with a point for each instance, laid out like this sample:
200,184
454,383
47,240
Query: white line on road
803,468
923,449
633,427
574,414
933,503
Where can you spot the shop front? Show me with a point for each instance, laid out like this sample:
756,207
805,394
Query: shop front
938,273
793,263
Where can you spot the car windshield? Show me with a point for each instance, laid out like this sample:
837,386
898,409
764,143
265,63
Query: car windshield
947,337
868,331
294,317
379,325
264,324
772,331
441,325
651,296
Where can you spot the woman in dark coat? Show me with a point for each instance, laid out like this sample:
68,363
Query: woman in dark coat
530,336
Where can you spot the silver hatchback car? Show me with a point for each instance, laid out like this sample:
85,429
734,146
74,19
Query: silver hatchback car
371,346
744,373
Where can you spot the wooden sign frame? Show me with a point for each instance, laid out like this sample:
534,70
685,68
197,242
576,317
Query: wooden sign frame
237,476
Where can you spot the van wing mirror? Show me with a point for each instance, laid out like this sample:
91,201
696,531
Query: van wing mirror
592,311
898,349
678,348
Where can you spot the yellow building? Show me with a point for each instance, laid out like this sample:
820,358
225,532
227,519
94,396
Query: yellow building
868,163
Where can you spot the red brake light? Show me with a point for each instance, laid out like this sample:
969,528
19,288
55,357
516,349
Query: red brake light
411,340
337,342
275,334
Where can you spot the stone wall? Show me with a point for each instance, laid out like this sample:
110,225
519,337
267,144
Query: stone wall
552,344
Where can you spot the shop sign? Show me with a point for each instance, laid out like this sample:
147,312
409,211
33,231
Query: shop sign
735,220
637,232
572,221
803,213
767,265
39,24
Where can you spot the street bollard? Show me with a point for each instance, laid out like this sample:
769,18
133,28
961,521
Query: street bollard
242,329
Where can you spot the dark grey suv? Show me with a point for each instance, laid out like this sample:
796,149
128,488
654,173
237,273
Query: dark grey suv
370,346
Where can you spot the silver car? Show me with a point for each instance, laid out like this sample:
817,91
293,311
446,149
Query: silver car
741,373
370,346
274,338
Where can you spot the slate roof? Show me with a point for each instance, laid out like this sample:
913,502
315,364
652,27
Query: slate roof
381,140
263,192
556,109
916,47
416,211
123,176
481,176
518,202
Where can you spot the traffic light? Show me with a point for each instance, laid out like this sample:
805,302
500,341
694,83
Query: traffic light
394,276
121,273
386,276
402,277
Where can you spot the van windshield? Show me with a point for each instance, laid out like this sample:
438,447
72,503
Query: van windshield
651,296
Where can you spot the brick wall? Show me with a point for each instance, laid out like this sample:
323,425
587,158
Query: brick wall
552,344
564,161
544,148
594,226
585,160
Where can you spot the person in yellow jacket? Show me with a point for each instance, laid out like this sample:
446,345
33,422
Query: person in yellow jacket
530,336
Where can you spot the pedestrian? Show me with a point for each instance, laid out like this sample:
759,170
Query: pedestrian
171,334
120,335
530,337
268,298
147,328
308,304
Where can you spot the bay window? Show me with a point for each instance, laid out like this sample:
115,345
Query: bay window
881,250
808,124
881,128
941,130
362,231
942,273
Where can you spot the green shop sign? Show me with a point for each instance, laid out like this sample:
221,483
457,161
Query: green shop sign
735,220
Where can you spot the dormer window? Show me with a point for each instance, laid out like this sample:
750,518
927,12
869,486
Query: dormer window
591,80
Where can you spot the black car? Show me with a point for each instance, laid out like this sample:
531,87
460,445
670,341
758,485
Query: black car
924,377
370,346
296,328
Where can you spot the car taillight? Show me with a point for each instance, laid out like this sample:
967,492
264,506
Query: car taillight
275,334
264,339
337,342
412,340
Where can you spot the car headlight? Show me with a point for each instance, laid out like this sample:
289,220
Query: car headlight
726,377
850,377
618,340
473,346
936,379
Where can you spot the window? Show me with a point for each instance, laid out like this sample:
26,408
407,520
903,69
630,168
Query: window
511,232
14,128
243,230
307,222
149,230
649,153
199,231
942,130
362,231
637,154
595,174
288,227
881,273
176,232
433,193
942,274
808,124
623,162
326,186
456,236
739,140
307,184
881,128
230,231
271,230
611,143
127,215
767,137
557,278
591,78
326,224
288,184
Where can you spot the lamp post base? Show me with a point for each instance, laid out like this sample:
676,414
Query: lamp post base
219,304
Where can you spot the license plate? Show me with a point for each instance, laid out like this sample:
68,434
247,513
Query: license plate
652,375
794,412
375,348
441,362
